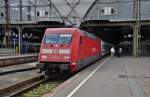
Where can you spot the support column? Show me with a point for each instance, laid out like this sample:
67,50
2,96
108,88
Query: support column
136,29
35,12
20,9
135,41
20,30
50,10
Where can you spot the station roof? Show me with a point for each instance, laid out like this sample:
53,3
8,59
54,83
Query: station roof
71,12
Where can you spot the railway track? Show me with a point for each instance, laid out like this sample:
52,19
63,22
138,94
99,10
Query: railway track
13,66
16,89
19,88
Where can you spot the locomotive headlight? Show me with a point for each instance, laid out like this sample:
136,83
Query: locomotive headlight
64,51
46,51
66,57
44,57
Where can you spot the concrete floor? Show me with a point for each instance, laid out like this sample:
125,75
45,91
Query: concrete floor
118,77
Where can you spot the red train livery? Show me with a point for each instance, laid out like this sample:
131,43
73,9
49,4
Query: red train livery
67,50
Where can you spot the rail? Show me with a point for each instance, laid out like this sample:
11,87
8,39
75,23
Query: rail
15,89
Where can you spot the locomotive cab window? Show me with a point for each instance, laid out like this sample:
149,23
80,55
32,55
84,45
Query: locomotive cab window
51,38
65,38
58,38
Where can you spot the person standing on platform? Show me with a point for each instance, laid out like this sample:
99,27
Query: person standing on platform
112,50
119,52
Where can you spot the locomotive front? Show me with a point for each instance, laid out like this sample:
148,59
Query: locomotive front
55,53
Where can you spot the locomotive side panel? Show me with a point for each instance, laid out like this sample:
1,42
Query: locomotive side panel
90,50
74,51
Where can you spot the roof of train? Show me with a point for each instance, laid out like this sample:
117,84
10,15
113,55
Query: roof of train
65,30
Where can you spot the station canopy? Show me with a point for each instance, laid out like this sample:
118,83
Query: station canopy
71,12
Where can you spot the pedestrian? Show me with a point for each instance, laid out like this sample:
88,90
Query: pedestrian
112,50
119,51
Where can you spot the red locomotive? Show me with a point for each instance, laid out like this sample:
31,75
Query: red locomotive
67,50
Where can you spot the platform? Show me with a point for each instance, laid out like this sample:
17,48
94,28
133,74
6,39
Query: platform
110,77
17,67
17,56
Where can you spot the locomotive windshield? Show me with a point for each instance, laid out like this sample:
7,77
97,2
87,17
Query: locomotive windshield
58,38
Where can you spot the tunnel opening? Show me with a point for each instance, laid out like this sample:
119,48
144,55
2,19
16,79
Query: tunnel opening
117,37
145,40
